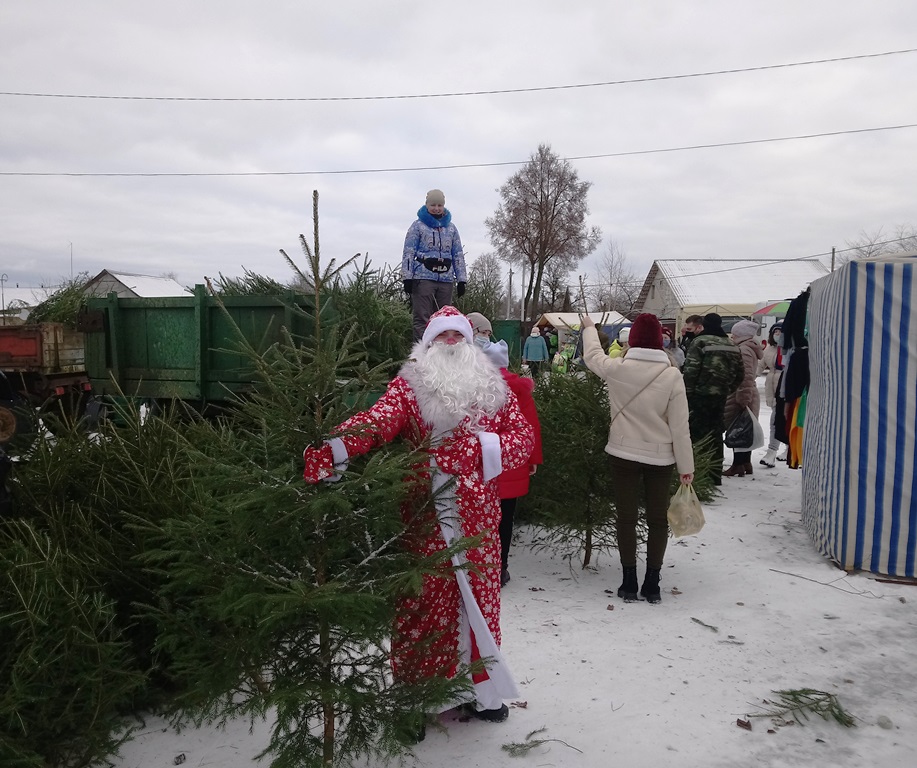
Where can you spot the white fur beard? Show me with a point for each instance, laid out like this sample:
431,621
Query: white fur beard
454,382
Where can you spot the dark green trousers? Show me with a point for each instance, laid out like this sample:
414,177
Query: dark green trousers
706,417
631,480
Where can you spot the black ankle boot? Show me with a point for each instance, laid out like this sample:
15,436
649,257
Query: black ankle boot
628,588
650,588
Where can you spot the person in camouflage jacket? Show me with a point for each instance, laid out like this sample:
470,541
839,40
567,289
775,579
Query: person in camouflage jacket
713,370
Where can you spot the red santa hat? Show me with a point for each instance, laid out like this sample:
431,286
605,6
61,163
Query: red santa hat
447,319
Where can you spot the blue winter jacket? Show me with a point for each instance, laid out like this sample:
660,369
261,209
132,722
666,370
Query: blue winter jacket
433,250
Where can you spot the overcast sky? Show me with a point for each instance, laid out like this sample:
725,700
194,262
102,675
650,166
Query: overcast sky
785,199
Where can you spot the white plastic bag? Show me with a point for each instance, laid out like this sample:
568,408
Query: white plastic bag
758,441
686,517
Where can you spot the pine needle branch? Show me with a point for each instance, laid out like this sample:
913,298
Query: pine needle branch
801,701
522,748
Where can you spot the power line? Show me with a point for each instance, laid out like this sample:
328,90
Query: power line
758,263
459,166
494,92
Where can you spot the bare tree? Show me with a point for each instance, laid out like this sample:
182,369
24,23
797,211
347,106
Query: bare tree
542,219
869,246
554,286
484,291
615,285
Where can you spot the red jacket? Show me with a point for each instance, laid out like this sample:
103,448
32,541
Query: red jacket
515,482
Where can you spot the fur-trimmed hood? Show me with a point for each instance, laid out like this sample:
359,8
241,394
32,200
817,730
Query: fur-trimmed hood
431,221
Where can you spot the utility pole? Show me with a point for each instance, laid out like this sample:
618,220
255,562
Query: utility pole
3,278
522,295
509,295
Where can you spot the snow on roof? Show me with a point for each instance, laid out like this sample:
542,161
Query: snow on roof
739,281
30,297
146,286
571,319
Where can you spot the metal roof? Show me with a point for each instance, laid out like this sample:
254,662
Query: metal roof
738,281
146,286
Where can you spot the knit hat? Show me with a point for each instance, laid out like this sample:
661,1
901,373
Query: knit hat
447,319
479,322
713,322
435,197
744,329
646,332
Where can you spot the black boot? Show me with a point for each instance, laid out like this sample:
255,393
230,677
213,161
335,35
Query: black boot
650,588
628,588
487,715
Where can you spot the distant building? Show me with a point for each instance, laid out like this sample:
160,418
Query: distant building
131,286
18,302
676,288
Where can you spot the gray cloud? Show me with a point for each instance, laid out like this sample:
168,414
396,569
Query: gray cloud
765,200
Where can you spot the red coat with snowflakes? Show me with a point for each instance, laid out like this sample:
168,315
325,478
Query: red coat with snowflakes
435,612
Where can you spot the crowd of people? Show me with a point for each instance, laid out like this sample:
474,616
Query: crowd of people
457,396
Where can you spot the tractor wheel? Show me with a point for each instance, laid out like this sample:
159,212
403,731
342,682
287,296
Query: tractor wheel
7,424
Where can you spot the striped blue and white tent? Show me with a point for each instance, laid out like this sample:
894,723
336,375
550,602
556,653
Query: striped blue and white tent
860,444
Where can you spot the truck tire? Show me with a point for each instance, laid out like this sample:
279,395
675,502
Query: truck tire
7,424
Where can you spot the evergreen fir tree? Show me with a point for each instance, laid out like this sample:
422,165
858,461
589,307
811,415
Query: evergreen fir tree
279,597
74,657
571,495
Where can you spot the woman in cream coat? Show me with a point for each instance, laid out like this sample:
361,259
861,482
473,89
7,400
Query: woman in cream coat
647,436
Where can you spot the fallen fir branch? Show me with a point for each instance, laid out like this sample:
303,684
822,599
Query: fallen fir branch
708,626
522,748
801,701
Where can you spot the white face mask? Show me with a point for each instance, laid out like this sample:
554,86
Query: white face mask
778,337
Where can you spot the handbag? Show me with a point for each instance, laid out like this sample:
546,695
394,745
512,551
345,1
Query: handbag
686,517
740,434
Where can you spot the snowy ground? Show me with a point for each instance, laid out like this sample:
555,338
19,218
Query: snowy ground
748,607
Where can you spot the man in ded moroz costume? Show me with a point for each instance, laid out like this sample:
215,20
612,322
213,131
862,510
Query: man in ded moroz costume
450,394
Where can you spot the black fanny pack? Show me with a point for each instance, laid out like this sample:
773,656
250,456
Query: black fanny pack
438,265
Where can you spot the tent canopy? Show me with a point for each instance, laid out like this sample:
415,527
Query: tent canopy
860,446
566,320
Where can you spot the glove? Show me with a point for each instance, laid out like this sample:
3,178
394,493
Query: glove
408,286
460,290
319,464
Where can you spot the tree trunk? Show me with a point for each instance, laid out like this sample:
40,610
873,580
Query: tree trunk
587,549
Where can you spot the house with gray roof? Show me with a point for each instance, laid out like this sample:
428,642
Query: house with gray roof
676,288
132,286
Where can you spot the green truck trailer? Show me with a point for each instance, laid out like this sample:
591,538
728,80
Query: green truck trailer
184,348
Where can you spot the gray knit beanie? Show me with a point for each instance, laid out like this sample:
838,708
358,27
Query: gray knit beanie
435,197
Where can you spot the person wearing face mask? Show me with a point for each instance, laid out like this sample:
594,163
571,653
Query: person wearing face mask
746,396
772,365
675,353
535,352
513,483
